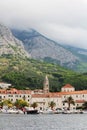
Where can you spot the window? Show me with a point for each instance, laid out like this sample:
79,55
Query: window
16,95
10,95
63,104
64,96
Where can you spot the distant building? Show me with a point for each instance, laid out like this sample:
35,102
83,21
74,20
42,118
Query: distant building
4,85
67,88
43,97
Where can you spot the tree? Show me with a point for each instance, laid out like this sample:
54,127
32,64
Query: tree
84,106
20,104
7,103
52,104
34,105
70,101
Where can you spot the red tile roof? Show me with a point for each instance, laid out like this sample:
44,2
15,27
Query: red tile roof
67,86
80,101
48,95
15,91
73,92
55,94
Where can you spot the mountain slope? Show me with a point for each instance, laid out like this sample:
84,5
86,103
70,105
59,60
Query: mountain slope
9,45
81,54
29,74
24,72
45,49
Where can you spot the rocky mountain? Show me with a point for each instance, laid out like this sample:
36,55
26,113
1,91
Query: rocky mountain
42,48
79,52
9,45
27,73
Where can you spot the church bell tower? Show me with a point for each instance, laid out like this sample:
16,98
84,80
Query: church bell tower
46,85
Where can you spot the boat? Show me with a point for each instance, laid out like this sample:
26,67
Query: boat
11,111
58,111
72,112
48,111
32,112
85,112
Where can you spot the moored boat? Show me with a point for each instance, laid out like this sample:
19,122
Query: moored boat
32,112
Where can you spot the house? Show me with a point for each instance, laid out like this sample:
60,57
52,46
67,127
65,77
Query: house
4,85
43,96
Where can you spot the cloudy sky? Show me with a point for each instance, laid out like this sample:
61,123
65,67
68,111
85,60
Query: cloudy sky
62,20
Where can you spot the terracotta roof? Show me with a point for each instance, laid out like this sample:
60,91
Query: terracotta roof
15,91
67,86
73,92
80,101
25,91
48,95
12,91
2,91
56,94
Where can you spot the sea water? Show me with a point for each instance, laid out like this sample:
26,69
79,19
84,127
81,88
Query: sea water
43,122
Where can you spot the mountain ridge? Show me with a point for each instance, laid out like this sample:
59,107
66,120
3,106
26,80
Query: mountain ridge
43,48
31,44
23,72
9,45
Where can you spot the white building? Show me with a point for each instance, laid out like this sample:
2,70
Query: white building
44,97
4,85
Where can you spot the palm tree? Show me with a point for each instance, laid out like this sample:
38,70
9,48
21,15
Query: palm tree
70,101
6,103
84,106
34,105
20,103
52,104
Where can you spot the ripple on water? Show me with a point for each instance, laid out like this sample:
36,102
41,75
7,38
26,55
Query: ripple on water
43,122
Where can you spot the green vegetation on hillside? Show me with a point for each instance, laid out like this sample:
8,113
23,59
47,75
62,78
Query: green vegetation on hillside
30,74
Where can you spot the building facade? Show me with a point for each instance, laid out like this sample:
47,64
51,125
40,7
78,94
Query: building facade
44,97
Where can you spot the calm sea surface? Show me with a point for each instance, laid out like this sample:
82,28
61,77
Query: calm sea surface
43,122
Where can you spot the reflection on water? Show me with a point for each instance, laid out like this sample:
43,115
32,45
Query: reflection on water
43,122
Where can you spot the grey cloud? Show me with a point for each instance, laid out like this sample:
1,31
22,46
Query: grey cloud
61,20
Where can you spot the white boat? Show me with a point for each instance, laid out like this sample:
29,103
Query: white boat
11,111
48,111
73,112
3,111
85,112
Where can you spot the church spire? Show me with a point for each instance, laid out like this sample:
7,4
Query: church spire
46,85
